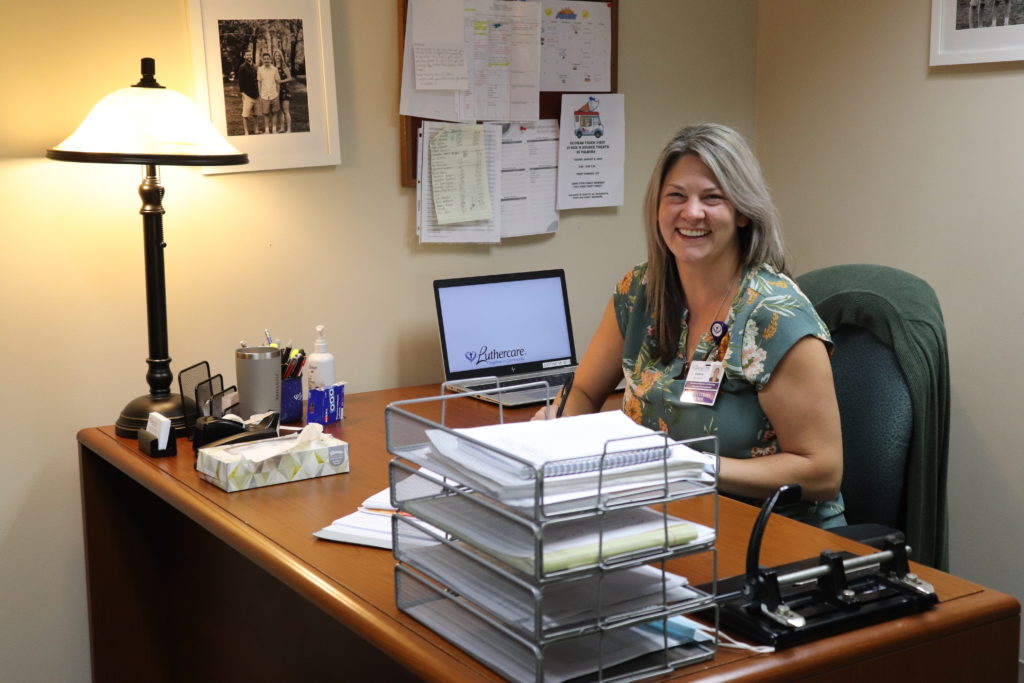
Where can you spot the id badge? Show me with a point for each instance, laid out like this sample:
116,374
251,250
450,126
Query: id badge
702,382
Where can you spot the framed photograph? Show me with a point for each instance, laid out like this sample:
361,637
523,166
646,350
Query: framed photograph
265,71
973,31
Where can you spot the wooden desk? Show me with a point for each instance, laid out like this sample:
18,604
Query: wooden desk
189,583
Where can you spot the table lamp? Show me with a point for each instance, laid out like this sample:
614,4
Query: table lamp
150,125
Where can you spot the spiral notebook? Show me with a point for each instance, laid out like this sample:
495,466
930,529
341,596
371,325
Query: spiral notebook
571,452
574,445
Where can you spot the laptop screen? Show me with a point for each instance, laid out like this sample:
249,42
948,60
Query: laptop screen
504,324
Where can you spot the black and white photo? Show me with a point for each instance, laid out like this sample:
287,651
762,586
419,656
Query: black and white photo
974,14
265,70
264,67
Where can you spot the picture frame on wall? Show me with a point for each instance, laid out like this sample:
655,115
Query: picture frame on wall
264,69
976,31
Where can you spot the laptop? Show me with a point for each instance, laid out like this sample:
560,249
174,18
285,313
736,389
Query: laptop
513,327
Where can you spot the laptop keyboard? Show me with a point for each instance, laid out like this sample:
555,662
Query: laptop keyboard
552,380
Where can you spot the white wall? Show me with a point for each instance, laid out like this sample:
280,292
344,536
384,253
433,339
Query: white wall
284,249
877,158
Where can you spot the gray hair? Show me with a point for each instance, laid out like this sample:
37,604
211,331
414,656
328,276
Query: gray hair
734,165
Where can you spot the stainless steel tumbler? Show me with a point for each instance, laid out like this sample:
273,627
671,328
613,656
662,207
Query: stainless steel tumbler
258,369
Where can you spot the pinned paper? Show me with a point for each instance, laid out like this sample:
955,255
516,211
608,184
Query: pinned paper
440,66
458,171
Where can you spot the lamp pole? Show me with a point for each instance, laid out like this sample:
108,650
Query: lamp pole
159,376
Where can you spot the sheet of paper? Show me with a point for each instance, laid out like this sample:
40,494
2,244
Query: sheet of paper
458,175
591,151
430,22
485,231
577,46
529,174
503,40
361,528
440,66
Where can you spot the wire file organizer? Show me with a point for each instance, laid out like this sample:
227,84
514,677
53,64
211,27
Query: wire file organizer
543,572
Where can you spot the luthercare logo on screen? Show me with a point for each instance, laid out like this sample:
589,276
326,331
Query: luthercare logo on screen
488,355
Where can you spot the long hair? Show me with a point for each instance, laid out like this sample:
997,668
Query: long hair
739,175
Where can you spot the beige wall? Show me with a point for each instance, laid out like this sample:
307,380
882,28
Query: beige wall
875,157
284,249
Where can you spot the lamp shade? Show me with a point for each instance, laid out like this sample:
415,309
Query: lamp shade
147,124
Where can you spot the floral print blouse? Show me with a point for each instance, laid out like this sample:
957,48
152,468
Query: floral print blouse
767,317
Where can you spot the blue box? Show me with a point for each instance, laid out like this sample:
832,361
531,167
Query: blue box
326,404
291,399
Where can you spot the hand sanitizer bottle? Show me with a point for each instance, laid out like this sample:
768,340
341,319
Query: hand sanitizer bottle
320,362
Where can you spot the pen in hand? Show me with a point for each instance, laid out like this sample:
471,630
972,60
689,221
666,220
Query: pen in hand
565,395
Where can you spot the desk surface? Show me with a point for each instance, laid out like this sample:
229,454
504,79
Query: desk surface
272,527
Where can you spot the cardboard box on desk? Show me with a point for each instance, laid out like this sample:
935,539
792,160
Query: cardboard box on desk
326,404
272,461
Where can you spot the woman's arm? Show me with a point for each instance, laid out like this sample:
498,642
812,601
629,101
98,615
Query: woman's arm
598,373
800,402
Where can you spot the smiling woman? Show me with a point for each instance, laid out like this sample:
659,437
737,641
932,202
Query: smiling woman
754,372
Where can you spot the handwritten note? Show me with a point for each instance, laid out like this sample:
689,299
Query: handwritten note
458,171
440,66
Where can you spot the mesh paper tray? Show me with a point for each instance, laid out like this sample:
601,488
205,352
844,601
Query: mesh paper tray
541,612
625,652
536,492
564,546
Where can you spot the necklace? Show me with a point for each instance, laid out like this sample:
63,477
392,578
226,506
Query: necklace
719,330
719,310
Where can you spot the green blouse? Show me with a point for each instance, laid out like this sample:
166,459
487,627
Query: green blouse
767,317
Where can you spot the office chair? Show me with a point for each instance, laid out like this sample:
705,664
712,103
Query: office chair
891,372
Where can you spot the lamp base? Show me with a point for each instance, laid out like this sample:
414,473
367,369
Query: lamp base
135,415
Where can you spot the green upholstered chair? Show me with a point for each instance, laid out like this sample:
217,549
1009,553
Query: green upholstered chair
891,371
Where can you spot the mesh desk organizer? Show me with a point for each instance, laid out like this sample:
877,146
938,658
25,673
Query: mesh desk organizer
500,571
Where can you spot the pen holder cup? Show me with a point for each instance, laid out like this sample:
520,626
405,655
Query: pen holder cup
291,399
258,370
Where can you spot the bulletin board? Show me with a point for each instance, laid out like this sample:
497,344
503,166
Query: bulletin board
550,102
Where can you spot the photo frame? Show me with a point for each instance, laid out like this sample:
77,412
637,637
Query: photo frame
287,121
976,31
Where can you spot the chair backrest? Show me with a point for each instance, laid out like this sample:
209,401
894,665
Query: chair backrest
890,353
878,421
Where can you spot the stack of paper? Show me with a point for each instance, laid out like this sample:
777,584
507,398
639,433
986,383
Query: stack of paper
562,605
369,525
575,456
573,544
562,660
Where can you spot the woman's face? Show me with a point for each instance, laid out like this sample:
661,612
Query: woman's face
699,225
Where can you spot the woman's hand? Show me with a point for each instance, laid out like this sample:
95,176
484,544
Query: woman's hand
546,412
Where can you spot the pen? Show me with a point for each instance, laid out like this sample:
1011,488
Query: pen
289,368
565,395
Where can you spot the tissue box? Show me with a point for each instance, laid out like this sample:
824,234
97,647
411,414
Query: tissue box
271,461
326,404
